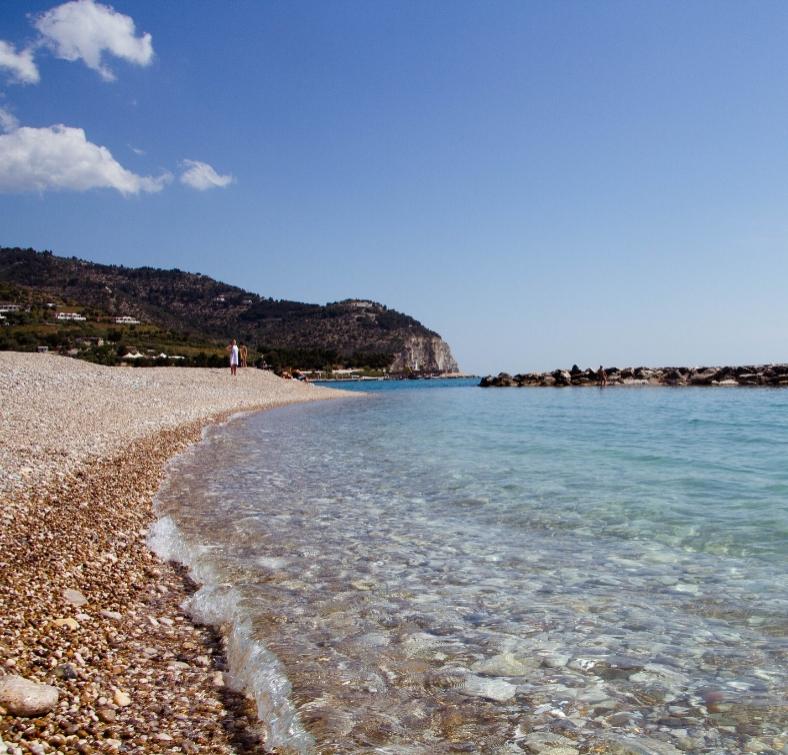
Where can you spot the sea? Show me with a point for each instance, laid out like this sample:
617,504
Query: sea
434,567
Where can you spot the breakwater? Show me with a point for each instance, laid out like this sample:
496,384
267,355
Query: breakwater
767,374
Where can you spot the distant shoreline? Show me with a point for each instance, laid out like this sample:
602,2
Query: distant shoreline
364,378
774,375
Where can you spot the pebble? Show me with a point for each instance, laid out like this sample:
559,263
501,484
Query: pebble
490,689
639,745
107,715
23,697
622,718
66,671
555,660
121,699
68,622
505,664
75,597
547,742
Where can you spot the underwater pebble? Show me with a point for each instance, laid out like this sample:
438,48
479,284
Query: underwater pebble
490,689
505,664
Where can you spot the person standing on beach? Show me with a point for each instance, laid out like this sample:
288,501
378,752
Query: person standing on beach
233,349
244,353
602,375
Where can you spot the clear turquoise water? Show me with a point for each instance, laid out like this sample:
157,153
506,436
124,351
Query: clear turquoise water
435,566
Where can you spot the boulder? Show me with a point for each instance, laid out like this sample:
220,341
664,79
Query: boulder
502,380
724,373
702,376
23,697
673,376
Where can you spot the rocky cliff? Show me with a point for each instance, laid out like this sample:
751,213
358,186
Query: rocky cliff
424,353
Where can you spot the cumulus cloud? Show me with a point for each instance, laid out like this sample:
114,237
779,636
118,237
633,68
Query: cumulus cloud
20,64
202,176
8,121
61,157
84,30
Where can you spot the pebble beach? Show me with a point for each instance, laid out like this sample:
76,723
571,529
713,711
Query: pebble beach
96,654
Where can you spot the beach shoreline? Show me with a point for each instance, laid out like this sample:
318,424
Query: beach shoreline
85,606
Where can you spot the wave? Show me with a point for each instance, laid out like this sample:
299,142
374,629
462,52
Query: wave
254,669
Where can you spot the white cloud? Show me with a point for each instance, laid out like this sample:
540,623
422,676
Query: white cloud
20,64
84,30
60,157
8,121
202,176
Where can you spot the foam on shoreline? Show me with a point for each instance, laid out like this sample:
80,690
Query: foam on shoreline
253,669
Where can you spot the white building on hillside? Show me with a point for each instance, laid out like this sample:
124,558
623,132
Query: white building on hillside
126,320
73,316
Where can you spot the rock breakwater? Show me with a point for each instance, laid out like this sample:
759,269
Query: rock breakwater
744,375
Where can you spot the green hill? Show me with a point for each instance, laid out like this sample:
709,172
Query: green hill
193,316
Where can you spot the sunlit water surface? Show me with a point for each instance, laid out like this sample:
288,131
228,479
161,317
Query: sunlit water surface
439,568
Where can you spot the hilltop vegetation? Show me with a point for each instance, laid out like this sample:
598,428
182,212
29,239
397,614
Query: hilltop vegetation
188,315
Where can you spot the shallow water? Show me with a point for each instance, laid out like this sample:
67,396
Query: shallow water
459,569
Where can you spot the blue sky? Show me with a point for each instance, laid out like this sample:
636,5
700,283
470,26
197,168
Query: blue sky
543,183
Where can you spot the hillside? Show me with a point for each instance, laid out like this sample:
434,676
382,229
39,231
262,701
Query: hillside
191,310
